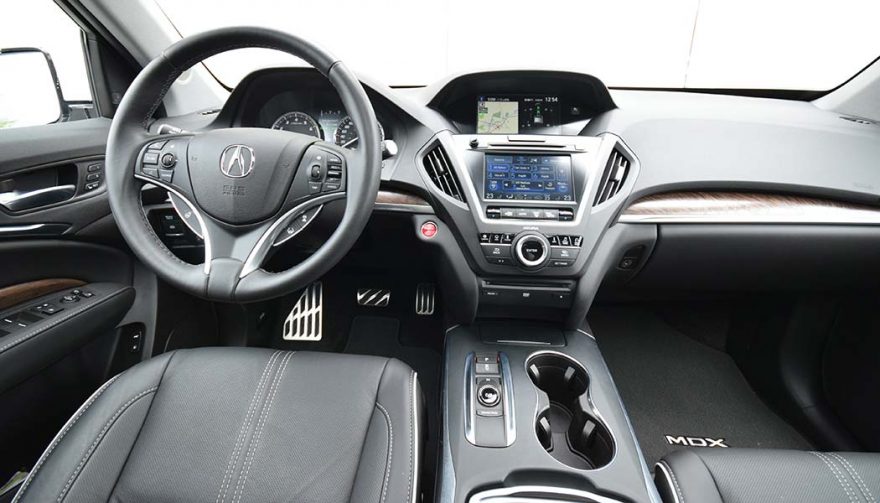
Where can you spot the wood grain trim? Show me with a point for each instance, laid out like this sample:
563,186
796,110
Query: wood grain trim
746,207
23,292
390,196
396,200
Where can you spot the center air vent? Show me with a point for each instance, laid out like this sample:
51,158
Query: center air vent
439,168
613,177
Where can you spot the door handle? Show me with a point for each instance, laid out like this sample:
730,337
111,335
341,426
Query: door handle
20,201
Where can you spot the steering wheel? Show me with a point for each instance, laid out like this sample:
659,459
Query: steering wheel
244,190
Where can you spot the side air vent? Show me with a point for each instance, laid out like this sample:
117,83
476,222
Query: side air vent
613,177
439,168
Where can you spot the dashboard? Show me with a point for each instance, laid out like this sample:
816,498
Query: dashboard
540,186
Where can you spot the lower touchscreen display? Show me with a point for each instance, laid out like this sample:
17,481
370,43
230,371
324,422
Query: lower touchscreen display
528,177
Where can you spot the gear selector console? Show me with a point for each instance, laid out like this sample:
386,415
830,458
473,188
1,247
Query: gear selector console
489,396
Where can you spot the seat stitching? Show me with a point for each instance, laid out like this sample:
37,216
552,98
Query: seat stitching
57,440
245,426
55,322
674,481
261,423
863,487
390,450
171,356
838,475
412,447
99,438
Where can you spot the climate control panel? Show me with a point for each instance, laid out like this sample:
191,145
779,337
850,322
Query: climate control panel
530,250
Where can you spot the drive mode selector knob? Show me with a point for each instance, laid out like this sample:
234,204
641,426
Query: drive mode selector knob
531,250
488,395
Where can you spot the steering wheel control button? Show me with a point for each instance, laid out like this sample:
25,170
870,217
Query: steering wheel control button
151,157
334,160
317,173
532,250
166,175
297,224
428,229
168,160
331,185
157,145
314,187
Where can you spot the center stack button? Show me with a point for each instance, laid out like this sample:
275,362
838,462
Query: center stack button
531,250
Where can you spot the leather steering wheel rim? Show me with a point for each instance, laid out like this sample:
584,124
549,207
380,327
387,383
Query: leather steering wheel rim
226,278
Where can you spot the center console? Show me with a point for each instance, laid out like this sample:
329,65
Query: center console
531,414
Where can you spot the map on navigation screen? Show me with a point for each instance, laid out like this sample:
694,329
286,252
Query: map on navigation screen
496,116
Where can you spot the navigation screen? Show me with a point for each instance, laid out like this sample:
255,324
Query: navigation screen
516,114
528,177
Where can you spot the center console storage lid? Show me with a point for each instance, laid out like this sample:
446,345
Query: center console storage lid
526,334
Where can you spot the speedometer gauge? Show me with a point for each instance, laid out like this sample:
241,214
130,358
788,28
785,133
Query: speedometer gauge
299,122
347,135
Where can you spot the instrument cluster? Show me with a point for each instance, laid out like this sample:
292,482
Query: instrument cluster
330,125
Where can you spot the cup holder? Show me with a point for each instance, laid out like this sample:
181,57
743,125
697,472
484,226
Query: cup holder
566,425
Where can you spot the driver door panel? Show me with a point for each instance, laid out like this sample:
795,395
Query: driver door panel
49,248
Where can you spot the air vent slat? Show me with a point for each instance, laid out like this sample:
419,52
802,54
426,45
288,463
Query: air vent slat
613,177
439,169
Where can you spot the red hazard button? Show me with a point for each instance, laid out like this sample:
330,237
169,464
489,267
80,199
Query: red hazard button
429,229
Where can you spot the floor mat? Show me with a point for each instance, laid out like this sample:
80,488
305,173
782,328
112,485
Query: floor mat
680,392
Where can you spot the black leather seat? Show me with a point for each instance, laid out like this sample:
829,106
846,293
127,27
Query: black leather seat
757,476
241,424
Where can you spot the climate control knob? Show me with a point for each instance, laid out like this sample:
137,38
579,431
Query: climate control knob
531,250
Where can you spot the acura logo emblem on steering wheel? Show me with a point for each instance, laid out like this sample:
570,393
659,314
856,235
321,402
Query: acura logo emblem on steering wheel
237,161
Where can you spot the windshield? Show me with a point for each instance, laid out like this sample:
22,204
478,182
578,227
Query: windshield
724,44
